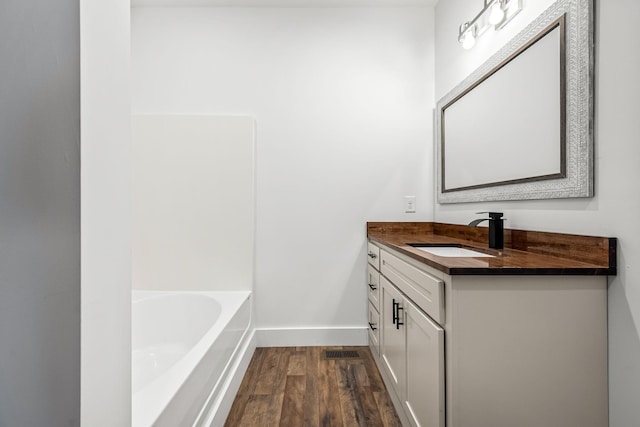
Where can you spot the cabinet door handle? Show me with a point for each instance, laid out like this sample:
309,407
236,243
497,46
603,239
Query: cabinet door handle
393,311
373,287
372,255
398,322
372,326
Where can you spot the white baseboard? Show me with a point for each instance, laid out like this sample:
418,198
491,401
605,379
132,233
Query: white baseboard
299,337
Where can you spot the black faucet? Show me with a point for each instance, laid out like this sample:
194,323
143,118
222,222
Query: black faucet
496,228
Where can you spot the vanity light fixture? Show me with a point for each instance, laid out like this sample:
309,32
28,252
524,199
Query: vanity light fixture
495,13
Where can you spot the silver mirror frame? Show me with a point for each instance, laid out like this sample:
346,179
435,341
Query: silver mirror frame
579,68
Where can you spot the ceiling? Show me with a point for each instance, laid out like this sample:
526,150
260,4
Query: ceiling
282,3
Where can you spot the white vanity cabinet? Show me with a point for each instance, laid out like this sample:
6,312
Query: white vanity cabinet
491,350
411,343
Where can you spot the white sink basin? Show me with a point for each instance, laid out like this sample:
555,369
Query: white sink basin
448,251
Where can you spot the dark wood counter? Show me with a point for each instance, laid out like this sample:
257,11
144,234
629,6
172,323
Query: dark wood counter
525,252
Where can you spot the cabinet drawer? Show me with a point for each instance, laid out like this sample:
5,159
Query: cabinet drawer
373,286
422,288
373,255
374,329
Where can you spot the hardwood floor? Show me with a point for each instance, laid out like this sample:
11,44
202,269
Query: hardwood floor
298,386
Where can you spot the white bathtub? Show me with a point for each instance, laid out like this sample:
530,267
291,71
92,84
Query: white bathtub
184,345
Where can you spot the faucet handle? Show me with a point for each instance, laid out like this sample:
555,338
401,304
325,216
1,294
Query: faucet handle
492,215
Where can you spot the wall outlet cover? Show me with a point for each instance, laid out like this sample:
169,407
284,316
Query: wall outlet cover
410,204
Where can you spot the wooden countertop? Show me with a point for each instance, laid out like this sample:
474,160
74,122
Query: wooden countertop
525,252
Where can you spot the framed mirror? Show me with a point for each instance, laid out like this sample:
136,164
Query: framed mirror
521,126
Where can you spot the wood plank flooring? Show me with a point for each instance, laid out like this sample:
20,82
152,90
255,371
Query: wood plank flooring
297,386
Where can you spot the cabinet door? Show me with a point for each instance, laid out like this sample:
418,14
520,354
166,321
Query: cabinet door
424,392
392,339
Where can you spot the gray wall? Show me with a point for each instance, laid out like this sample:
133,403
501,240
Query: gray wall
39,213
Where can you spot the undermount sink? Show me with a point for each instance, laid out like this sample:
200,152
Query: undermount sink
449,251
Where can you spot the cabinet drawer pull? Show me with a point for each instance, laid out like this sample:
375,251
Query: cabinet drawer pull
372,255
373,287
372,326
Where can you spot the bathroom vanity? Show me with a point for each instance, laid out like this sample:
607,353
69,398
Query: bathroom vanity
501,338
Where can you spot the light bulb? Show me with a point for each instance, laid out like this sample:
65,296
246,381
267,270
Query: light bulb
497,14
468,39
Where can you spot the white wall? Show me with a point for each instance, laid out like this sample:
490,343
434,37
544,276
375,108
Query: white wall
106,214
193,202
39,213
343,103
614,209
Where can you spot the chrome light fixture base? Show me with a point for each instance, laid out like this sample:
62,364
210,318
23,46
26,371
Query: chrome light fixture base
495,13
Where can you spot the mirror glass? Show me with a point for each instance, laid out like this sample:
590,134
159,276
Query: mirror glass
523,92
